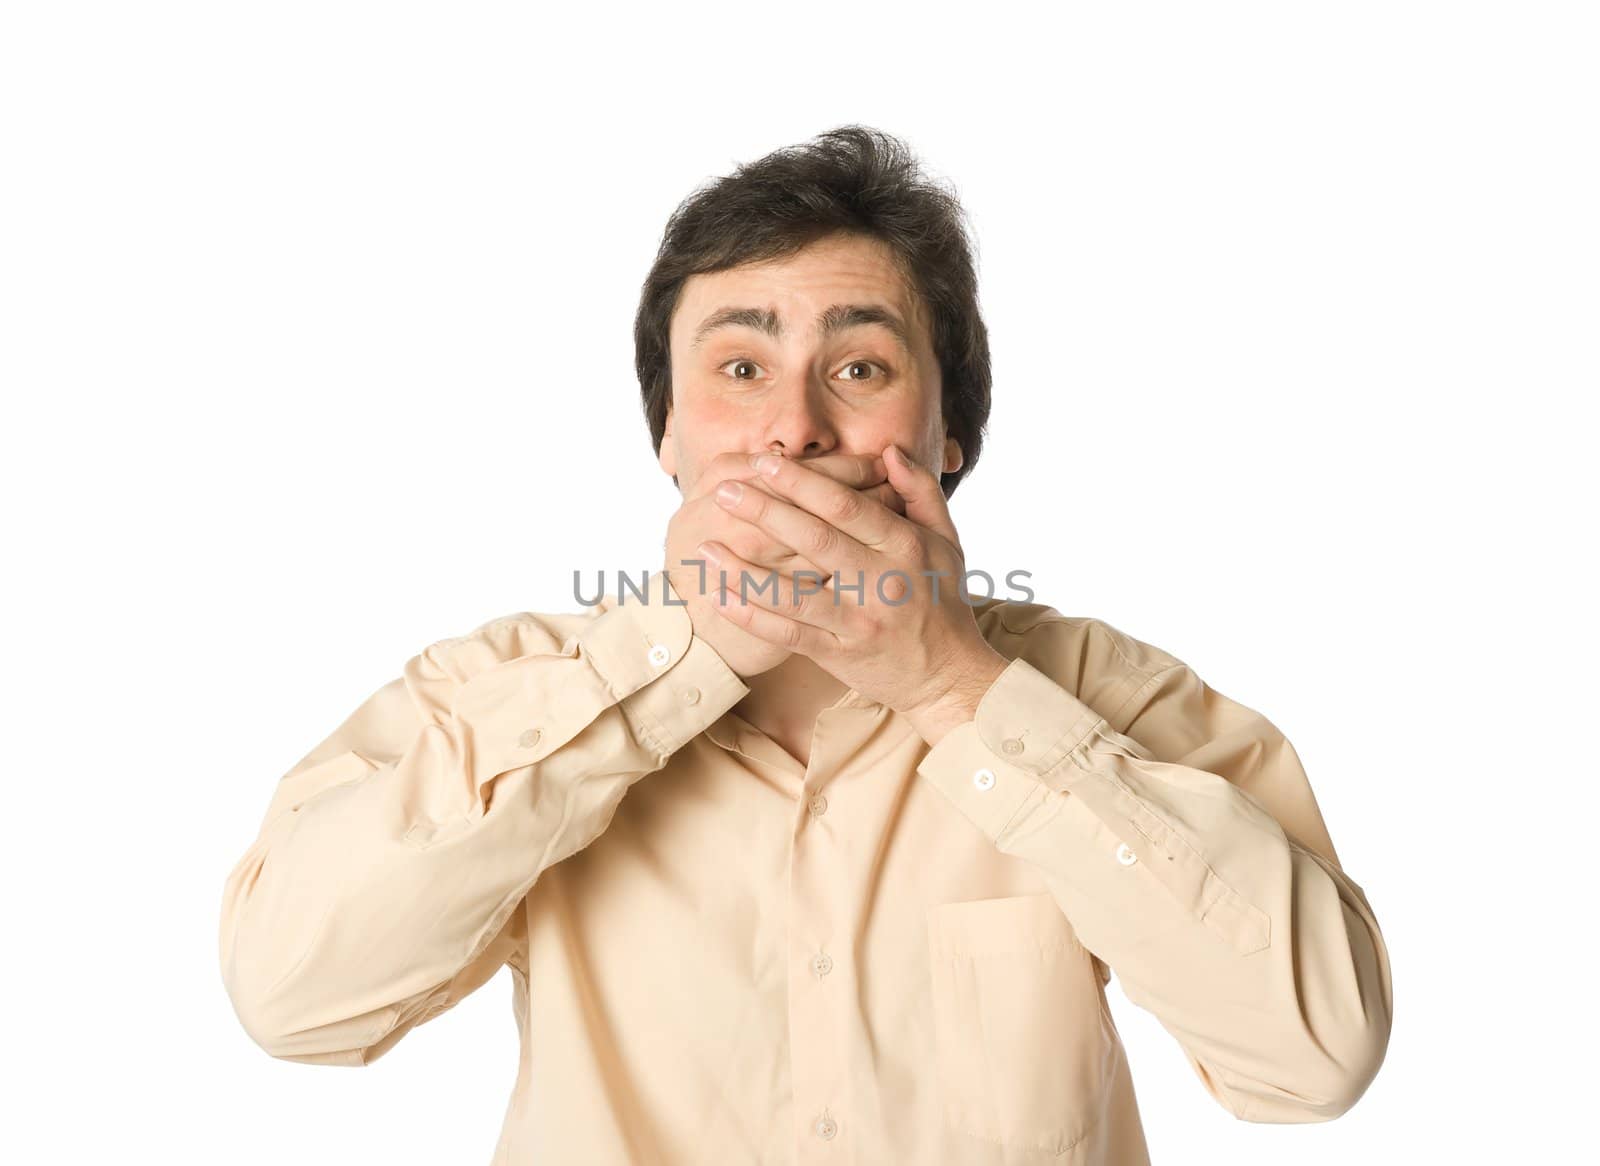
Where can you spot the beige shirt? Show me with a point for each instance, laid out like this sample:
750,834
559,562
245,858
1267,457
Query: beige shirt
893,954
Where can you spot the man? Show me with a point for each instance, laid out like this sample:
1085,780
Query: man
883,842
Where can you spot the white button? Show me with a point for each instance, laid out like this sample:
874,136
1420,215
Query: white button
660,654
983,779
818,806
691,696
529,739
822,964
1125,856
826,1127
1011,745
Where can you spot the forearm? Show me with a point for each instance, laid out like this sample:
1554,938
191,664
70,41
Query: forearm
1260,956
387,868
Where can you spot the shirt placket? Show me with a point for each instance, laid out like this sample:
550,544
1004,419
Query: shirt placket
819,963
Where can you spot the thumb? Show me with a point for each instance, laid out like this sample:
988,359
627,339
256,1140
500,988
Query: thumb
925,500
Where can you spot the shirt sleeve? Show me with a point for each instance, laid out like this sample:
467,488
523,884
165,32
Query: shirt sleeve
383,884
1179,834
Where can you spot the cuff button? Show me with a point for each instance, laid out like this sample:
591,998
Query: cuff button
1125,856
983,779
530,738
660,654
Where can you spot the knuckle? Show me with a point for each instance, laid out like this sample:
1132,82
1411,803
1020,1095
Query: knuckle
819,540
906,541
846,506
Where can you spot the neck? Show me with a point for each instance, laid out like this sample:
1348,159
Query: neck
789,696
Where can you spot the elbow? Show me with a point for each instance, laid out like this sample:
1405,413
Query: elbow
1326,1083
1336,1036
289,1024
1363,1056
289,1004
347,1043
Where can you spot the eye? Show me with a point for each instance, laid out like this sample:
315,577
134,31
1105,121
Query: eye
863,370
742,369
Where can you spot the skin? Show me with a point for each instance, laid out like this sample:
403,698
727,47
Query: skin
838,407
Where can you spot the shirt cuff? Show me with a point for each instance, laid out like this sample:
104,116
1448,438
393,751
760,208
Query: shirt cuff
525,709
673,684
1008,756
670,712
639,638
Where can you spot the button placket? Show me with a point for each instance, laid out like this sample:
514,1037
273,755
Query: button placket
818,1002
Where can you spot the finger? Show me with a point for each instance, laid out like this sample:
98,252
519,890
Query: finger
807,598
758,546
792,613
887,495
752,542
926,504
703,518
868,522
814,537
881,492
858,471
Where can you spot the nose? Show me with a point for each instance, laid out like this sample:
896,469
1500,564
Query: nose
798,424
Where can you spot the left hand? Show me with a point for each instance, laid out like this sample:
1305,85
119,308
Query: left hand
895,640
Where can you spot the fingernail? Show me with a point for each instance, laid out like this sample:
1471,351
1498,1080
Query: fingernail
729,493
709,551
767,463
905,458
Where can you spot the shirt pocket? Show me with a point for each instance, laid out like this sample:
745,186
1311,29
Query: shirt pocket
1024,1043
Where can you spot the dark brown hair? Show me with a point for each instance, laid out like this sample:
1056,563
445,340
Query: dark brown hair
852,179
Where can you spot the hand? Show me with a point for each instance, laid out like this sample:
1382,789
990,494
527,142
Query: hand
700,518
909,638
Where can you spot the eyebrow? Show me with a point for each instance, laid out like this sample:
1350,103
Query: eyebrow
833,320
761,319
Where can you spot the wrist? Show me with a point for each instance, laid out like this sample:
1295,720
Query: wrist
957,703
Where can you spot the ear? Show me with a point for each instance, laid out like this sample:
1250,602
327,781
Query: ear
952,455
669,452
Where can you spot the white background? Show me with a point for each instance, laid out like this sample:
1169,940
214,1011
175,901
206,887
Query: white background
315,346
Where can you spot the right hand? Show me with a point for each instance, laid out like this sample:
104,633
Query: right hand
699,519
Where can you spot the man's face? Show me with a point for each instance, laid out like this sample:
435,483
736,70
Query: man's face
824,352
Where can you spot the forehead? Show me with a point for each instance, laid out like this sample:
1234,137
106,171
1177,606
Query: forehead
838,269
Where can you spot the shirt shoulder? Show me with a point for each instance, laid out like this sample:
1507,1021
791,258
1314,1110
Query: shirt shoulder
1100,664
434,675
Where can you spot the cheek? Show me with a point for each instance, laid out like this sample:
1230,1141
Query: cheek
702,431
704,423
908,426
